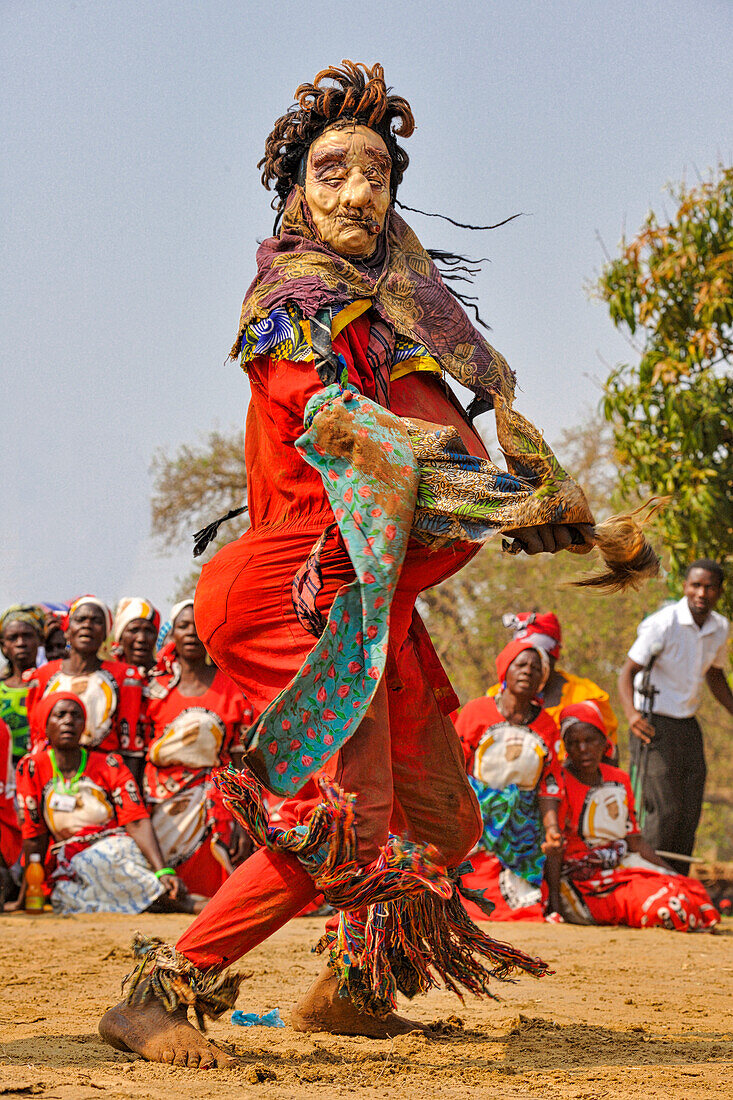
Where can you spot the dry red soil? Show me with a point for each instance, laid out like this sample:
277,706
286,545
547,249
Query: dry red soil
626,1014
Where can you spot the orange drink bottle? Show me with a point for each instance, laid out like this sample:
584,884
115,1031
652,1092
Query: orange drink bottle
34,878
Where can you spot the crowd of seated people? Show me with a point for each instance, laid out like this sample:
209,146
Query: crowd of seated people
106,755
111,728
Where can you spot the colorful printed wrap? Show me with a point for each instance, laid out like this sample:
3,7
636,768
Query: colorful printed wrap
512,830
386,482
285,334
467,499
371,476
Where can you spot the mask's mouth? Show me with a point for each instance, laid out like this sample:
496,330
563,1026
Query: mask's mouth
371,225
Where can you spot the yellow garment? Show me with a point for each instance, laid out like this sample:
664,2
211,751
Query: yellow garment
577,689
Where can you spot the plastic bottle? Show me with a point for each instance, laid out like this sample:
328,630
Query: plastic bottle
34,877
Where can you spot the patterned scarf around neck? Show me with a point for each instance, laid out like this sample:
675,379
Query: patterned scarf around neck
406,290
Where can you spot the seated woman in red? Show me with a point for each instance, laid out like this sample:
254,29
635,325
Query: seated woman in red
509,745
610,874
111,690
104,857
197,716
9,827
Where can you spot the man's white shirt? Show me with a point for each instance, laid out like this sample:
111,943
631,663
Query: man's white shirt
686,652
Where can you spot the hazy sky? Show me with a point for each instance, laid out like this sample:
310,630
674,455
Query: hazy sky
132,206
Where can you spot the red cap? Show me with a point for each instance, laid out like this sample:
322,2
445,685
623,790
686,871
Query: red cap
510,652
48,702
587,712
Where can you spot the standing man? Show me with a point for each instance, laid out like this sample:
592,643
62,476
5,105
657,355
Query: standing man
681,645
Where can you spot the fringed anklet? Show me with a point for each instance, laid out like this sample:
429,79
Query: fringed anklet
413,944
170,977
403,927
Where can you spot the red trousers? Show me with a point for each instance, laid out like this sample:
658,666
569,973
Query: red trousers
404,763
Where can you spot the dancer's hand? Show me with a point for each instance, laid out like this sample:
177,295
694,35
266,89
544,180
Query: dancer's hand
548,538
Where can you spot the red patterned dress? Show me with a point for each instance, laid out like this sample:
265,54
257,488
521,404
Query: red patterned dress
92,863
603,881
190,736
112,696
9,828
509,766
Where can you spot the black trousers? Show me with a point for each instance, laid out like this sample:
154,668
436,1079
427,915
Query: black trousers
673,784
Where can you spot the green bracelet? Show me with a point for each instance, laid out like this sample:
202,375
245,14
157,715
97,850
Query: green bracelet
164,871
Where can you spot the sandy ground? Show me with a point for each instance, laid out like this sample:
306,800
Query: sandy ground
627,1014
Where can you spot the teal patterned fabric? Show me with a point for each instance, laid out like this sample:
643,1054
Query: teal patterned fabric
371,476
512,829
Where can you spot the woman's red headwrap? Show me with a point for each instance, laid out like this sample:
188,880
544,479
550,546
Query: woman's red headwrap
544,625
48,702
587,712
511,651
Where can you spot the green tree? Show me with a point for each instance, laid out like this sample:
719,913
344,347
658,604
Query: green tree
193,486
671,291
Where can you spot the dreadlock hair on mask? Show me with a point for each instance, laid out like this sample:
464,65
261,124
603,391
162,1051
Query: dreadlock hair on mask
354,94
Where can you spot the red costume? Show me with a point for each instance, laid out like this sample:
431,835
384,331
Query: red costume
245,617
112,696
191,735
629,890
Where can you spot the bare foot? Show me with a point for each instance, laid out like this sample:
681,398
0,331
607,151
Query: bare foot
148,1029
322,1009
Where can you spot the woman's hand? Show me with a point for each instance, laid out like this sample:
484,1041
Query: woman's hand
553,840
240,847
173,886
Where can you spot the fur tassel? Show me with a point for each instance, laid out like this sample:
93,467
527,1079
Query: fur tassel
169,976
628,556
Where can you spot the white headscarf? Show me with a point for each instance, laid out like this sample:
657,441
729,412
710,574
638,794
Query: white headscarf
134,607
96,602
178,608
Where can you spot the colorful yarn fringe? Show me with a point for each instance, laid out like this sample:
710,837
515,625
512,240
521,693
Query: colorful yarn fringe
164,973
410,945
327,844
403,925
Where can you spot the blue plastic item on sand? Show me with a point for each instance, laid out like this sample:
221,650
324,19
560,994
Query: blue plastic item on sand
251,1019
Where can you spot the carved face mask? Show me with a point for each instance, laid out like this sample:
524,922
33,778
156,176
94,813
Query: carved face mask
347,188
